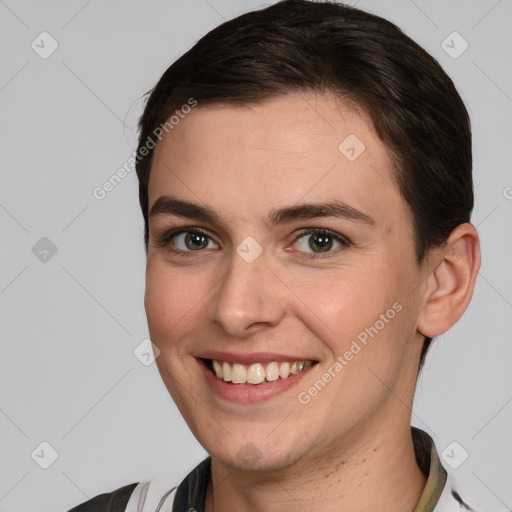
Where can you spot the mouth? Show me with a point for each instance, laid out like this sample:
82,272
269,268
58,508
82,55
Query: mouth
252,381
257,373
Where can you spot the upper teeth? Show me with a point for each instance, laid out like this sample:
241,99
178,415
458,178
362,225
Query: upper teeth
257,373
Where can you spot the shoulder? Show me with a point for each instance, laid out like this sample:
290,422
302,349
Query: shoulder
153,494
114,501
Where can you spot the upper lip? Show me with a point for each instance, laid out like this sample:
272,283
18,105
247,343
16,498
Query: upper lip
245,358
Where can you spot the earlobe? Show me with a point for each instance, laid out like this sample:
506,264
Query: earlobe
451,282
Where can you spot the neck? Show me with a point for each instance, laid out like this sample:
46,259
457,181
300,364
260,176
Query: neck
379,474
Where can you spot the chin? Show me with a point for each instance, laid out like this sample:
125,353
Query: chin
250,458
258,454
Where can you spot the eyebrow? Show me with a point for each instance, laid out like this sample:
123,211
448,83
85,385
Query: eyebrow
167,205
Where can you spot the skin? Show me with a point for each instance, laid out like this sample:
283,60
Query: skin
350,447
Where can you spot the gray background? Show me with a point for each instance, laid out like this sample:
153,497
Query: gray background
70,322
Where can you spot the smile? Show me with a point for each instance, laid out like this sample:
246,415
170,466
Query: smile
256,373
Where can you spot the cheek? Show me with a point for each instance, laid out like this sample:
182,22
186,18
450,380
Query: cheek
365,312
345,301
170,300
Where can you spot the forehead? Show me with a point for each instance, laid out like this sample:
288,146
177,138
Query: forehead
296,148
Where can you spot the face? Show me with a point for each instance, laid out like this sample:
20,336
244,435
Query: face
282,284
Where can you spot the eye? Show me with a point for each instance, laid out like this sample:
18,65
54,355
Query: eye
320,241
186,241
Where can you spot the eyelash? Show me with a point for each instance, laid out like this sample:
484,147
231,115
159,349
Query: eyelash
167,237
342,240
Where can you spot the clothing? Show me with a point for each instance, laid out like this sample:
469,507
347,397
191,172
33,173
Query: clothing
109,502
157,496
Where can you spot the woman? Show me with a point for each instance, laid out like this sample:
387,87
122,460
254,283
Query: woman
305,181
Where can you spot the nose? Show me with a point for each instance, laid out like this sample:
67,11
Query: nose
249,298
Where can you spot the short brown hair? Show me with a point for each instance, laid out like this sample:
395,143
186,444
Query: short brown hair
300,45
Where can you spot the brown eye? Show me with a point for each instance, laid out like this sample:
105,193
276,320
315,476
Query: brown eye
195,241
320,242
188,241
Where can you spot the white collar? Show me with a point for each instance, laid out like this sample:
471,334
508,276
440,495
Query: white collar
148,496
153,496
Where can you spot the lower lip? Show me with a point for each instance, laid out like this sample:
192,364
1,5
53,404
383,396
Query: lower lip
251,393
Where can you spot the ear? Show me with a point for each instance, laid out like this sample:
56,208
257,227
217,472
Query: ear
450,284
